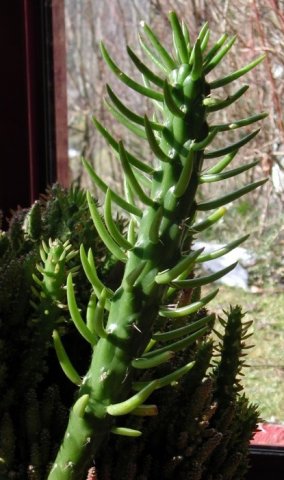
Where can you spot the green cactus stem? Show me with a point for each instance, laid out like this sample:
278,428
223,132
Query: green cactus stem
162,202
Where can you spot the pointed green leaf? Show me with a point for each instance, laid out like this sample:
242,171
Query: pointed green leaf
113,247
114,144
170,102
132,127
186,35
163,278
152,56
153,143
180,332
43,254
132,277
212,52
178,147
180,344
116,198
183,274
154,230
178,37
205,40
64,360
204,143
206,257
232,147
198,282
131,232
123,408
143,179
207,222
91,312
89,267
153,361
75,314
197,68
80,405
111,225
147,92
239,123
223,163
162,52
230,197
218,57
185,175
203,32
45,247
131,177
129,194
237,74
37,281
213,105
177,312
128,113
208,178
175,376
99,316
126,432
150,345
167,379
151,76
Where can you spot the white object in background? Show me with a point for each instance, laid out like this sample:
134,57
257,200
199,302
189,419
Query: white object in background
237,277
72,153
277,177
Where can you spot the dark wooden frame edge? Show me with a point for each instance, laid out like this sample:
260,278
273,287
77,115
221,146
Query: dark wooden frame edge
34,106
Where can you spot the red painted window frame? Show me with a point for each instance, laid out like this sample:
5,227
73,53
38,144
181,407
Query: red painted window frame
33,133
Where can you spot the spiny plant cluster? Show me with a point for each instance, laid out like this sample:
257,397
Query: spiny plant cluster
36,253
135,327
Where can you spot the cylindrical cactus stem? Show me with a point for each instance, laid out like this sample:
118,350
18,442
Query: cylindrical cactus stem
153,252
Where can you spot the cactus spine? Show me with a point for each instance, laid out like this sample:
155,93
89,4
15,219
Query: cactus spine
161,200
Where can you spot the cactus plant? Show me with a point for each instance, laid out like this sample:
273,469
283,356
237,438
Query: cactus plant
125,327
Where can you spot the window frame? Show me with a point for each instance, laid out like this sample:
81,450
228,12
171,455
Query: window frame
266,461
34,134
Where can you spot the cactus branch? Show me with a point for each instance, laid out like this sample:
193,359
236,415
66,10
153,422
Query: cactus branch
158,299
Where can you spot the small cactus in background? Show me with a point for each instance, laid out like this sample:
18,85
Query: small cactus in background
157,312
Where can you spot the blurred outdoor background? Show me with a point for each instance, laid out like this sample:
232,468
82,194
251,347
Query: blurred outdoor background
259,25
